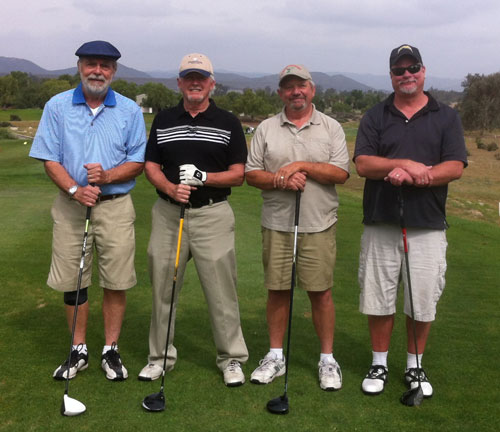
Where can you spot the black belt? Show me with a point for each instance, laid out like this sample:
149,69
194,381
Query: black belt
197,204
109,197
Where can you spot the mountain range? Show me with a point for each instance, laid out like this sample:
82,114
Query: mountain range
233,80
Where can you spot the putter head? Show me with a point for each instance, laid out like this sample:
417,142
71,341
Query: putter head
413,397
278,405
154,402
71,407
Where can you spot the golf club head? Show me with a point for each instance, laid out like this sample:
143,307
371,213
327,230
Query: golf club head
71,407
413,397
154,402
278,405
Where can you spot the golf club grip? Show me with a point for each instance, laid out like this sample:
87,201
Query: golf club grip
297,207
179,239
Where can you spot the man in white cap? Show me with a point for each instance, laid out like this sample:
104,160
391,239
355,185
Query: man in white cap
196,152
92,142
299,149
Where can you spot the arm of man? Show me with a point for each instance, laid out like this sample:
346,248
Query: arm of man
377,168
86,195
446,172
321,172
234,176
119,174
178,192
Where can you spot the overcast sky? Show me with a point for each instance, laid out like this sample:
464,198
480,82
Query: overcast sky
455,37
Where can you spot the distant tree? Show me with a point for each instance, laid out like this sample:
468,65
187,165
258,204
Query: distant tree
126,88
480,106
448,97
220,89
73,80
158,96
50,88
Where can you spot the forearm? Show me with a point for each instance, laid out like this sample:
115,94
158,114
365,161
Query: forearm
156,177
260,179
377,168
234,176
321,172
59,175
124,172
446,172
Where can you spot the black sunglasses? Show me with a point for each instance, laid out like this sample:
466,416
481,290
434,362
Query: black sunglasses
413,69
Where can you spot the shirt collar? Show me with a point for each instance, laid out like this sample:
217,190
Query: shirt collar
314,119
432,104
208,113
79,97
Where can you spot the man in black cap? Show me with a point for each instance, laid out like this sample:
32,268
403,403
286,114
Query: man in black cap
408,146
92,142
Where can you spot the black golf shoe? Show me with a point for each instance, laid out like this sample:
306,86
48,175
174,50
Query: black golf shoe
78,361
375,380
411,378
111,363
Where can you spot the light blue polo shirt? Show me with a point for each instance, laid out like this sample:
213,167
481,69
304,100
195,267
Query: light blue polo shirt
70,134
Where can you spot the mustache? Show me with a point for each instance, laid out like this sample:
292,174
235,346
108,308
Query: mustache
96,77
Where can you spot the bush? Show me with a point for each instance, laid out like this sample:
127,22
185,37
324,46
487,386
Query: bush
5,124
492,146
480,144
14,117
497,155
5,134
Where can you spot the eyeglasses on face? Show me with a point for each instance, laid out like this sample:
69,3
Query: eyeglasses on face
413,69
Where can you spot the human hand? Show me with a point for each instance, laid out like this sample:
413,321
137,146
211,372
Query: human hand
96,174
190,175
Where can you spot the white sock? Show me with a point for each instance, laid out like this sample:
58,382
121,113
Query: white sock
379,358
106,348
326,358
411,360
278,352
82,349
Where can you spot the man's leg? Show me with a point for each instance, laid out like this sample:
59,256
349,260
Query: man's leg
323,315
380,331
113,310
277,310
81,321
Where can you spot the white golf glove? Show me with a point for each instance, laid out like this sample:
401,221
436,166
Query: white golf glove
190,175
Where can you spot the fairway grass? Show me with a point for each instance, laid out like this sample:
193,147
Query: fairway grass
461,355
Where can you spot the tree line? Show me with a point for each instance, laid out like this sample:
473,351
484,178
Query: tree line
479,104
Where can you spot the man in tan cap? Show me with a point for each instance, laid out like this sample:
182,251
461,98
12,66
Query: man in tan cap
196,152
298,149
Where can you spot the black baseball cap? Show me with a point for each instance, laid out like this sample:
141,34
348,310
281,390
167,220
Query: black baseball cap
404,50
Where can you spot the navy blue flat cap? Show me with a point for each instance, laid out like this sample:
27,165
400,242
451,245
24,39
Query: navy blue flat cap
98,49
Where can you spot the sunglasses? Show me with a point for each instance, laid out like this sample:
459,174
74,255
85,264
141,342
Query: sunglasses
413,69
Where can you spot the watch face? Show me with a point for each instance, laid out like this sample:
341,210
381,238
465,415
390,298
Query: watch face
72,190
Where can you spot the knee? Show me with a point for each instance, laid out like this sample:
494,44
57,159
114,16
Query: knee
70,297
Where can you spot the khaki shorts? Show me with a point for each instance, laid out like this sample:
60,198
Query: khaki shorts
316,254
111,232
382,266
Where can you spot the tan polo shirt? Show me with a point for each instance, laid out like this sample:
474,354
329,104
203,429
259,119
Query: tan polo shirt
278,142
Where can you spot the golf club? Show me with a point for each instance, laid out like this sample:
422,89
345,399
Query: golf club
280,405
156,402
412,397
70,406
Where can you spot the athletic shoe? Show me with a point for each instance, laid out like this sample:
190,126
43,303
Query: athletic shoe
111,363
78,362
233,375
269,368
150,372
411,378
375,380
330,376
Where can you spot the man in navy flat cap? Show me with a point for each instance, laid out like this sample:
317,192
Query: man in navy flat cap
92,142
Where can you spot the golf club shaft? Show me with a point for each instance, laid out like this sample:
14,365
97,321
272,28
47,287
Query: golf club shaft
78,287
408,276
177,254
292,287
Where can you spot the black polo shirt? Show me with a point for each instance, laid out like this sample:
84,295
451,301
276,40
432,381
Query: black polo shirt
431,136
213,140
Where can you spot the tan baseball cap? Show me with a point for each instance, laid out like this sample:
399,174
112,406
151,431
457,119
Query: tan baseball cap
196,62
295,70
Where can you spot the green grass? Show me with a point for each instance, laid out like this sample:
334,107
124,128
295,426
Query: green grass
461,357
30,114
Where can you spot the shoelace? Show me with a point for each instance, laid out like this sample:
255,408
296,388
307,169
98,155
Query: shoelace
73,360
233,365
415,374
377,372
328,369
113,358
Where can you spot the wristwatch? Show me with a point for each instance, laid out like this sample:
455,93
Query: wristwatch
72,190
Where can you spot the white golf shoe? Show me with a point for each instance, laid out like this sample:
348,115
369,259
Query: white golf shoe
233,375
78,361
269,368
375,380
330,376
150,372
411,378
